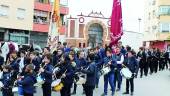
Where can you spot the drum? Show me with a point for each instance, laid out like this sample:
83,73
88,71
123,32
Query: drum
57,69
58,87
80,78
1,84
40,81
125,72
105,71
15,89
56,82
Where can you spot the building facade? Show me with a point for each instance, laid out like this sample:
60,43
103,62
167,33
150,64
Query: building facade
28,21
93,30
42,17
16,20
157,23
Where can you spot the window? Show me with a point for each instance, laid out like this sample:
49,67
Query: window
21,13
149,16
64,2
4,10
42,1
154,14
41,17
164,10
165,27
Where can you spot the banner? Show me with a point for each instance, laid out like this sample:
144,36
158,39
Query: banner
116,30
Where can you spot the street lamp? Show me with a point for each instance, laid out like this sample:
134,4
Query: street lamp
139,19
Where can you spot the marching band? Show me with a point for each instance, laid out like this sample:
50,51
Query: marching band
66,68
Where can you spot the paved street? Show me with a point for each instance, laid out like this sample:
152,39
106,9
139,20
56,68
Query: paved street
153,85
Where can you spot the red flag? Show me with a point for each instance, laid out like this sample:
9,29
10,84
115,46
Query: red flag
116,30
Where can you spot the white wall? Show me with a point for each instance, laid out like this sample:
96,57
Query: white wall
133,39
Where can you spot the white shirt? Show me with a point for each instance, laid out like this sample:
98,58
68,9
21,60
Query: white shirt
21,64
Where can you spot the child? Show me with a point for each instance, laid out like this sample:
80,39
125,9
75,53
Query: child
28,81
7,82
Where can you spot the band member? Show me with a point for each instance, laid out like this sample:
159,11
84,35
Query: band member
80,63
1,60
166,56
34,61
7,82
150,61
46,72
110,61
142,63
14,64
120,60
28,81
157,58
67,75
91,76
22,61
57,56
133,67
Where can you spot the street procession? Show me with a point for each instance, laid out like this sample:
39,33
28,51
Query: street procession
45,52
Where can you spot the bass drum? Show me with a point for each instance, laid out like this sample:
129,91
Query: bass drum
40,81
125,72
105,71
80,78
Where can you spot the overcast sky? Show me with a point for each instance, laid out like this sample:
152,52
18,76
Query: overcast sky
132,10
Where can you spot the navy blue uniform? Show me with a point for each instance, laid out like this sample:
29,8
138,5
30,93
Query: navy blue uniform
67,69
47,75
110,76
1,62
36,63
6,80
15,69
118,77
91,79
28,84
133,67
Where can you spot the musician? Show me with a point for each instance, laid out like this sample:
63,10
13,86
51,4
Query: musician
166,57
67,75
120,60
7,81
14,64
98,61
91,75
22,61
133,67
1,60
110,61
142,63
157,57
35,61
28,81
57,56
80,63
46,73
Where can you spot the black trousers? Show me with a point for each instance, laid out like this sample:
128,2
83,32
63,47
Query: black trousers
66,90
7,92
89,90
131,82
26,94
46,89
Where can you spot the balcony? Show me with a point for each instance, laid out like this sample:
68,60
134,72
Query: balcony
44,28
43,6
64,10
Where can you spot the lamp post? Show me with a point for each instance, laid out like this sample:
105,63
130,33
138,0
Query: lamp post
139,19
